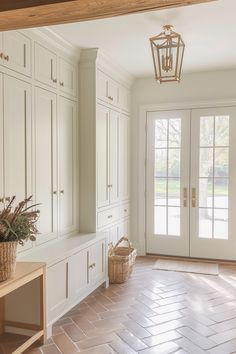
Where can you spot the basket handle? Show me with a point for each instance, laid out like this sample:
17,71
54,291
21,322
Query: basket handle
123,239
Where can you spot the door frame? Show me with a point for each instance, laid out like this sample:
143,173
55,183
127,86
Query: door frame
142,152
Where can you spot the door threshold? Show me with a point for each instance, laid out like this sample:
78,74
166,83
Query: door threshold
192,259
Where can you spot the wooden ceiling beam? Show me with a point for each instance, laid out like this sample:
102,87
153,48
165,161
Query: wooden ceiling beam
19,14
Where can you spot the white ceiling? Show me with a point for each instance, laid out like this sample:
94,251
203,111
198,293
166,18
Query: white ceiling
208,30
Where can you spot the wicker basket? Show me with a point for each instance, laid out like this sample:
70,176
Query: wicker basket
7,260
121,261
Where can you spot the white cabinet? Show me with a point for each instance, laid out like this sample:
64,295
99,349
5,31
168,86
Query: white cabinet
79,274
67,77
107,89
45,65
46,163
57,289
102,156
16,52
124,157
107,139
104,166
1,143
97,262
114,157
74,276
67,159
17,138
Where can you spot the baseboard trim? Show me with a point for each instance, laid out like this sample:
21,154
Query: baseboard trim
192,259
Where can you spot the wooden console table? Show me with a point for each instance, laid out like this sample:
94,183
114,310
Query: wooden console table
26,272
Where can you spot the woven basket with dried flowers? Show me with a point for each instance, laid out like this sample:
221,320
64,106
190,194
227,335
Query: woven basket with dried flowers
17,225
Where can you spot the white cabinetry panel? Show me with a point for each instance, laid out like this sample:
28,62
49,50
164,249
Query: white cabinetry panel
45,65
17,138
114,157
67,77
16,51
124,98
67,130
107,89
57,289
46,163
102,143
124,157
78,273
97,262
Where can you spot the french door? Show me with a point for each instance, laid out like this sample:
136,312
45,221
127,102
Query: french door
191,183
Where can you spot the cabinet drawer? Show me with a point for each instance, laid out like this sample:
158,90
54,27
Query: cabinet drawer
45,65
17,52
124,210
107,217
67,77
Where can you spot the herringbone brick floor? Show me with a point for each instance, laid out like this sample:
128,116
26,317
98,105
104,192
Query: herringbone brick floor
154,312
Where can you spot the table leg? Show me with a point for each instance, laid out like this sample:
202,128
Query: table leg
43,323
2,315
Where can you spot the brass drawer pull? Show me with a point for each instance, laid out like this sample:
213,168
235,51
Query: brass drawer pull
6,57
54,80
61,83
62,191
110,98
55,192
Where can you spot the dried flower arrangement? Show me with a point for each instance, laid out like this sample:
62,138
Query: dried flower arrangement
19,225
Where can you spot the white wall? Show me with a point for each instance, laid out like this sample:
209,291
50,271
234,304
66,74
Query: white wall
193,87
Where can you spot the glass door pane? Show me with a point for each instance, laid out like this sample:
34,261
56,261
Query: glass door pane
212,169
167,176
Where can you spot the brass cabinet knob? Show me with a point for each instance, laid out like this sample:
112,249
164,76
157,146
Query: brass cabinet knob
54,80
6,57
55,192
110,98
61,83
62,191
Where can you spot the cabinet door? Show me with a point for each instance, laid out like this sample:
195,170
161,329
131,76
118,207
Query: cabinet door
45,65
102,143
67,157
1,143
78,274
17,52
124,98
114,156
67,77
124,157
124,229
113,92
46,163
114,234
97,262
102,86
17,138
57,289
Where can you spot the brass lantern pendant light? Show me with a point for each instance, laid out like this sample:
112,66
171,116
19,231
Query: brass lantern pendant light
167,52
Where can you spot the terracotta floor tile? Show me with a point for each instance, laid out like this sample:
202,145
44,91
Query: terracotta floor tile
65,345
50,349
74,332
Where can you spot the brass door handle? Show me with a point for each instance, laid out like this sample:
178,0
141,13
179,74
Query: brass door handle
110,98
185,197
194,198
